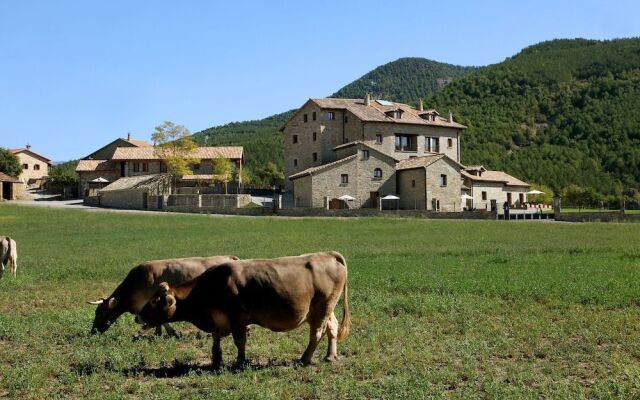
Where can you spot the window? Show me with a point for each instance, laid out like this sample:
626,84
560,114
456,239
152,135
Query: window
344,179
406,143
413,183
145,167
25,166
443,180
331,116
36,167
365,154
484,195
314,136
315,156
163,167
346,119
313,116
295,162
432,144
449,143
377,173
398,114
306,118
295,138
378,138
136,167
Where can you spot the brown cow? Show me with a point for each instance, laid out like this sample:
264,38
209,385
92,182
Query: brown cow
142,282
279,294
8,255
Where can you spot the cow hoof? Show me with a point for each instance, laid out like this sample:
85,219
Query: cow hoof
331,359
306,363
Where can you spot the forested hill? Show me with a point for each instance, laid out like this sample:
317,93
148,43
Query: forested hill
557,113
404,80
560,112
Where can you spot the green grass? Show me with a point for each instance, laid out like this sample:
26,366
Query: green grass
440,309
596,210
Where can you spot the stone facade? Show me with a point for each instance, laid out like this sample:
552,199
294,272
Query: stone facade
362,182
424,188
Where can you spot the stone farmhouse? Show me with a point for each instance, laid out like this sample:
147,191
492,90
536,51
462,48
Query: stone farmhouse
127,158
34,166
350,153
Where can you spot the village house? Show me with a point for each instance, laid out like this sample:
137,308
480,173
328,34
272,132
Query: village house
10,188
350,153
486,186
34,166
129,157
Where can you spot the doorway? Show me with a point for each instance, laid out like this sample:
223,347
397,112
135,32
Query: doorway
6,190
373,199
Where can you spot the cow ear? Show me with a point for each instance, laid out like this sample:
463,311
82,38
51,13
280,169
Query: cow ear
164,287
112,303
96,302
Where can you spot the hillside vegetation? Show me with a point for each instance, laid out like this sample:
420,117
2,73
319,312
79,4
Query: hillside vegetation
558,113
404,80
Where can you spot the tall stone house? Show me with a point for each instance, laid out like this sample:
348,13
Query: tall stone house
34,166
131,157
353,152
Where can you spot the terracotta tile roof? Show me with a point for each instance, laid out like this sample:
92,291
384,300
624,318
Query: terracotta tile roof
135,182
138,142
202,153
376,112
311,170
360,143
496,176
200,177
94,165
25,150
6,178
417,162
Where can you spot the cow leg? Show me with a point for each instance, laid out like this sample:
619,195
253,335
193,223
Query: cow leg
332,335
315,335
170,331
158,330
240,340
216,352
14,266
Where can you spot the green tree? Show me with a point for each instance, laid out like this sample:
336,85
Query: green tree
9,163
223,169
64,174
574,195
545,198
175,146
270,174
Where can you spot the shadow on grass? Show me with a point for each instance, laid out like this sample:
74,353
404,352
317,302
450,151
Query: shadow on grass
179,369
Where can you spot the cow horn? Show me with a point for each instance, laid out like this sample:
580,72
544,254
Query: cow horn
96,302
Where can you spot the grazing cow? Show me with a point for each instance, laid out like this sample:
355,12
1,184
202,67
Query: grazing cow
8,254
142,282
279,294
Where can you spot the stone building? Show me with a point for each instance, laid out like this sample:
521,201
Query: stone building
364,149
485,186
10,188
140,192
34,166
129,157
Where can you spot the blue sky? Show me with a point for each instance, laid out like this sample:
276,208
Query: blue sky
75,75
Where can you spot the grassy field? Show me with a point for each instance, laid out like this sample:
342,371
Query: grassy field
454,309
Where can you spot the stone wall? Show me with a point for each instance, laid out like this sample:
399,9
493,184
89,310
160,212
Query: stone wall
31,173
449,195
615,216
207,201
411,188
131,199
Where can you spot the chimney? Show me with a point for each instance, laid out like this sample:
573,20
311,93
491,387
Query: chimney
367,100
28,146
128,135
420,106
450,116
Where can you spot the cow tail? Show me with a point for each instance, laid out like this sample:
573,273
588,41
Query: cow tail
345,325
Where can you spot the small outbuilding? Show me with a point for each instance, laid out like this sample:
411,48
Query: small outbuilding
136,192
10,188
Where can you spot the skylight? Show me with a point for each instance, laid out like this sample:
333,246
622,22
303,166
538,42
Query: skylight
384,103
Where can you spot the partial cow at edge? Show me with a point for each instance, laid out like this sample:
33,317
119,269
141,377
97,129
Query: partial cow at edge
142,282
8,255
278,294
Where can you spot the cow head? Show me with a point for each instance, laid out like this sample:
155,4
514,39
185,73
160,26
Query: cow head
160,308
106,314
